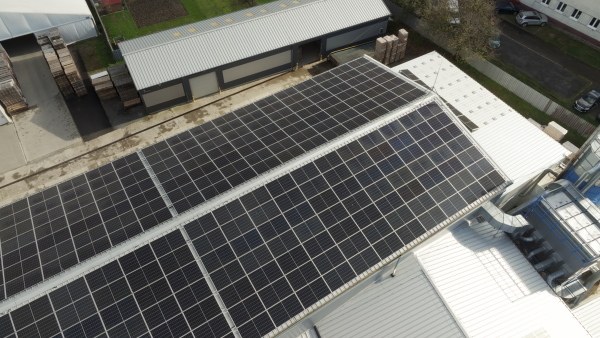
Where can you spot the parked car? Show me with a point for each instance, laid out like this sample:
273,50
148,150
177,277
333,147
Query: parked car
526,18
507,8
588,101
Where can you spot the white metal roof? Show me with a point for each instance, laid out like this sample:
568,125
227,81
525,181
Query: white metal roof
519,148
587,313
200,46
478,277
28,16
404,306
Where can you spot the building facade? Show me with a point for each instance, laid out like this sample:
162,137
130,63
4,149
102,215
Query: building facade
580,17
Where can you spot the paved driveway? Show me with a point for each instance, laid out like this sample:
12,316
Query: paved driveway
559,72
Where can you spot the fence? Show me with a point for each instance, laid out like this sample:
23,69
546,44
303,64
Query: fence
558,112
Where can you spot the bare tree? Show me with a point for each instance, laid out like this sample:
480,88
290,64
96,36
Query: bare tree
463,26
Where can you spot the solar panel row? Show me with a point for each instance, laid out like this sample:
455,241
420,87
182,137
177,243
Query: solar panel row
158,289
57,228
279,249
212,158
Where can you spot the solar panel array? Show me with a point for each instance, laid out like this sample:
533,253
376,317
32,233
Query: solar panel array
158,289
57,228
210,159
271,253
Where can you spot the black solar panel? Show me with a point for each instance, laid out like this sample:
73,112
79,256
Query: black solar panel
61,226
279,249
210,159
157,289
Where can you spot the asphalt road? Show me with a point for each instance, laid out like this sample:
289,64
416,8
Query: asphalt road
554,69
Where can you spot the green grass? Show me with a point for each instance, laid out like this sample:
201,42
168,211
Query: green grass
95,53
562,41
122,24
419,42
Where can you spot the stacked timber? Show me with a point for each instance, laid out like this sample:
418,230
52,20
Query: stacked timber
61,63
11,96
124,84
103,86
403,41
388,51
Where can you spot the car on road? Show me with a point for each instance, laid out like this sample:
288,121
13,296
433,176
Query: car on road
588,101
507,8
530,18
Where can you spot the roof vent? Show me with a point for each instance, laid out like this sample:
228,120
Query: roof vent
177,34
214,24
296,1
192,30
229,20
263,10
282,5
249,14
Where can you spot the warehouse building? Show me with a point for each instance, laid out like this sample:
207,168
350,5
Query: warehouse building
72,18
188,62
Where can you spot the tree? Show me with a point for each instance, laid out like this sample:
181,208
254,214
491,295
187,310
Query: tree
463,26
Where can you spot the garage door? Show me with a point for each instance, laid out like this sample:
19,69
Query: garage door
164,95
204,85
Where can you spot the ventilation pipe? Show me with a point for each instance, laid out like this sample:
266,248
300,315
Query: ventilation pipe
515,225
534,237
543,265
551,277
586,174
537,180
588,285
544,248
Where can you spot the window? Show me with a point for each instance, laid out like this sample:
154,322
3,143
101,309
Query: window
594,23
576,14
561,7
546,2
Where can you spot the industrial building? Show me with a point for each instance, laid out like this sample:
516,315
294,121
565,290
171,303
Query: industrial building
181,64
289,216
72,18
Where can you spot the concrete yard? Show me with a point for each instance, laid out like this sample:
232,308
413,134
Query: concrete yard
47,126
11,153
79,158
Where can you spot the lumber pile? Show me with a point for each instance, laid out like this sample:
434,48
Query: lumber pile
124,85
103,86
391,48
11,96
61,63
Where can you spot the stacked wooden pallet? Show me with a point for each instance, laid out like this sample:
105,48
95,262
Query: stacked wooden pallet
124,84
61,63
11,96
391,48
103,86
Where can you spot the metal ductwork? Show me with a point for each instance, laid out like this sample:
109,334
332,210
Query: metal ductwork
515,225
544,248
556,274
549,262
589,283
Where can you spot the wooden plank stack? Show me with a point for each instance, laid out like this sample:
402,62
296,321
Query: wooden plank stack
61,64
103,86
124,84
11,96
391,48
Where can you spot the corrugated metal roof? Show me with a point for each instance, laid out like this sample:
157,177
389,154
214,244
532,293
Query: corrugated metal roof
28,16
517,146
404,306
193,48
470,281
491,289
587,313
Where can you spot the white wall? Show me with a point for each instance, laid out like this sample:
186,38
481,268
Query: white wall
204,85
589,8
257,66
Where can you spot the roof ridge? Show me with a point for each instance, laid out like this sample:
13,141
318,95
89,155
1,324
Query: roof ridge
256,18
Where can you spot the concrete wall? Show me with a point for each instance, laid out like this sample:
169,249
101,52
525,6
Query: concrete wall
589,9
257,66
355,36
164,95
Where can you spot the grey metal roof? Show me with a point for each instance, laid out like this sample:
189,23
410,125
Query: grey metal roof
200,46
